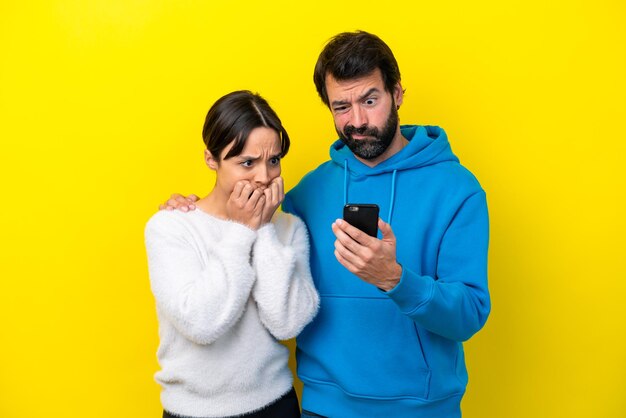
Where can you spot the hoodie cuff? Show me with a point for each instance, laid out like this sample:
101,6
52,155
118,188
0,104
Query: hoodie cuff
412,291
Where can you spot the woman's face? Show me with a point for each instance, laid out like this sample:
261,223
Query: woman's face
258,163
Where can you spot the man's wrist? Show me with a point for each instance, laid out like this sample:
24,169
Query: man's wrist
392,281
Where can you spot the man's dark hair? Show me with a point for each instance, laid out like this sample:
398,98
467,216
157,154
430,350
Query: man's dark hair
233,116
350,55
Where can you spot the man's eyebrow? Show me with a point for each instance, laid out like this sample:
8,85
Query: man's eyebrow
369,93
362,97
339,102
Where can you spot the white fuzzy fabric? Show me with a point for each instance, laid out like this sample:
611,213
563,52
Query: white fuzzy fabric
224,295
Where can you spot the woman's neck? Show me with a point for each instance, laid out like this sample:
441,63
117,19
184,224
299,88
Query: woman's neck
213,204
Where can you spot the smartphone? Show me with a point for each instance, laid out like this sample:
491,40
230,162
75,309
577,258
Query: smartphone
363,216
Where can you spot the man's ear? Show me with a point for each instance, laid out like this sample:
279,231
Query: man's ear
398,94
210,161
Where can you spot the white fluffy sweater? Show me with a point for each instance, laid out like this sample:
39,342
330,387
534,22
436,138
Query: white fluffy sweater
224,295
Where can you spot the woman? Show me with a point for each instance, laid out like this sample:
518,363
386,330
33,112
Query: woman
232,278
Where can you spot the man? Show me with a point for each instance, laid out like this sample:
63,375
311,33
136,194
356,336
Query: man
387,341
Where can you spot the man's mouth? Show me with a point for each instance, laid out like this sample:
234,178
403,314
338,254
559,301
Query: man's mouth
361,137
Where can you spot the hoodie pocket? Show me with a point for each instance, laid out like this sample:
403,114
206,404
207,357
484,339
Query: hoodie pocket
367,347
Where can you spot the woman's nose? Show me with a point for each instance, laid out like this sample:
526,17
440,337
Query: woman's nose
262,177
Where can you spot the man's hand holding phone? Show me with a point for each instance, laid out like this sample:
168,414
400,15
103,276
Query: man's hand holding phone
371,259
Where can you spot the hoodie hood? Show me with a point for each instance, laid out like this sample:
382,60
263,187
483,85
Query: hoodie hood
427,145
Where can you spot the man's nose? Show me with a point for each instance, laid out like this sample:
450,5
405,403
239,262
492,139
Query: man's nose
359,117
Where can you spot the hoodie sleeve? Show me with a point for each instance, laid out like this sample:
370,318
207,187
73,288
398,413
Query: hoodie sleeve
202,300
288,206
284,290
456,303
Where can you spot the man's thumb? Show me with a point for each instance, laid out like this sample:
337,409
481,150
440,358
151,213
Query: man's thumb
385,229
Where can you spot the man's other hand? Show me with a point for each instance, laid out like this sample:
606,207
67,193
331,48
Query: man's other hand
180,202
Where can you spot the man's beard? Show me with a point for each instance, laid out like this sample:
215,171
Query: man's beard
374,147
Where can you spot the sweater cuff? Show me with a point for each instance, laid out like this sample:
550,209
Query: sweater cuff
239,236
267,231
412,291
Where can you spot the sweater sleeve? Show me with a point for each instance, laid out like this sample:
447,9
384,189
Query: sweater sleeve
202,296
456,303
284,290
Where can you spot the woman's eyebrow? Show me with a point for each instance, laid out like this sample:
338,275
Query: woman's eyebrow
248,157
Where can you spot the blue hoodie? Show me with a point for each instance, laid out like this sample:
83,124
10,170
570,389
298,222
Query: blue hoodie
371,353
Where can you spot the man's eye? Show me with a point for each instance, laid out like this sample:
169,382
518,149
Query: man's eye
370,102
275,161
247,163
340,109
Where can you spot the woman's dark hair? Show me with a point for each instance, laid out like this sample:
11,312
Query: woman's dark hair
233,116
350,55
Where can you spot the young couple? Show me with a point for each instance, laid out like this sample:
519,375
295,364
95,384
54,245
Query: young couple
232,277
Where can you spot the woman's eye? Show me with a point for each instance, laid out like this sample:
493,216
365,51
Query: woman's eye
275,161
247,163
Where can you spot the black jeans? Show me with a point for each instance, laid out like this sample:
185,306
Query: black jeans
284,407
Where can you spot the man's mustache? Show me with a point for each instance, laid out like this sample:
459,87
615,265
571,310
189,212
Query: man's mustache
349,130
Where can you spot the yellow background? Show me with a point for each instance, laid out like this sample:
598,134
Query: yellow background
101,108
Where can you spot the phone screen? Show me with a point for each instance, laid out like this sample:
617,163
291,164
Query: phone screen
363,216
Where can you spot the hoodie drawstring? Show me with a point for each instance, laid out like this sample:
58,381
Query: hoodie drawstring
393,189
345,182
393,196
